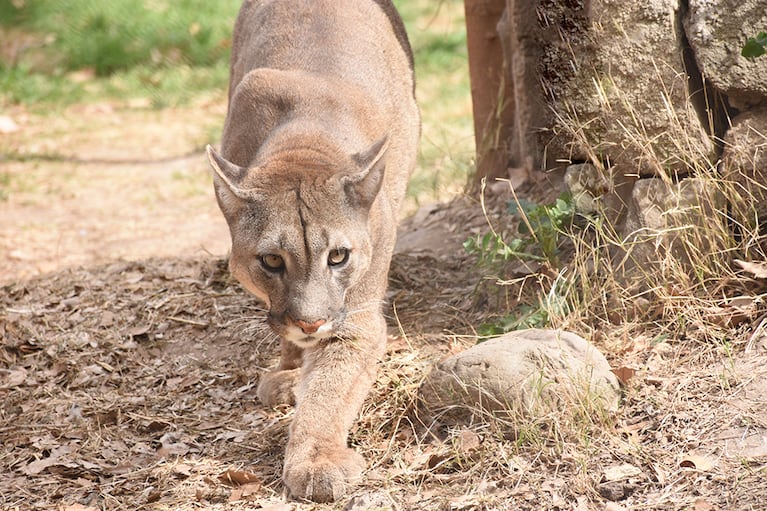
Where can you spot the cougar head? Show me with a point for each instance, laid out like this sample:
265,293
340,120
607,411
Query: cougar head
300,237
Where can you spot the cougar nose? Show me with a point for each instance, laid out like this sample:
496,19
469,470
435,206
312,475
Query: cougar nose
309,328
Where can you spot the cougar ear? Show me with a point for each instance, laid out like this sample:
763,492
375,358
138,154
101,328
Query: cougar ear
362,186
232,175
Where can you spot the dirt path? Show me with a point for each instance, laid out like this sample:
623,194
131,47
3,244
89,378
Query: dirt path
101,182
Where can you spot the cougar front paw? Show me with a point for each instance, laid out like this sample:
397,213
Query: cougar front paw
326,477
276,387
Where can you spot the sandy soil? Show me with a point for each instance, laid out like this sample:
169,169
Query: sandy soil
101,182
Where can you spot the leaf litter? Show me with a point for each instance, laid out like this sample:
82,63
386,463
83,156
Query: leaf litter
131,385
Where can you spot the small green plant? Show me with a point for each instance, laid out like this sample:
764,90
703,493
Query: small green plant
539,234
540,230
755,46
552,305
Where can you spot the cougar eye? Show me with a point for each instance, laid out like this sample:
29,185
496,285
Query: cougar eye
272,262
338,256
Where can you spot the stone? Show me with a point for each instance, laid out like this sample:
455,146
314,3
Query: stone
617,93
670,223
601,81
716,31
526,372
744,167
588,187
615,490
7,125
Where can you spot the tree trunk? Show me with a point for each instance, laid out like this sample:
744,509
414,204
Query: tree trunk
492,99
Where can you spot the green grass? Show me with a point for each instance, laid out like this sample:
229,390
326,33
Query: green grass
438,35
75,50
19,84
114,36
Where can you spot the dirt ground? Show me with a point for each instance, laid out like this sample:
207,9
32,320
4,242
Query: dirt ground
103,182
129,359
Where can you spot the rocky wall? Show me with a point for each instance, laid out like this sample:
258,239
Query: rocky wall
640,90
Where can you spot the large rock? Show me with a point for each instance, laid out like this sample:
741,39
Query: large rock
601,81
672,223
529,372
623,91
717,31
744,168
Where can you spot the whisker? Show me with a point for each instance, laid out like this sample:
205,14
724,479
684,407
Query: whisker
370,306
255,328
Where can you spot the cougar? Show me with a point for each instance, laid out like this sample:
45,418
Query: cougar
320,138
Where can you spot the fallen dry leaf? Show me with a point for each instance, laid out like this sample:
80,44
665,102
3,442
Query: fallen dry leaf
13,378
657,381
742,302
582,503
553,485
153,496
277,507
757,269
468,441
396,344
727,317
133,277
182,382
436,459
137,331
107,319
55,458
702,505
172,446
697,462
661,475
238,477
733,312
77,507
182,469
624,374
245,492
464,502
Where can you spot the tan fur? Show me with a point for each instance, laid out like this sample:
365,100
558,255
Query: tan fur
319,142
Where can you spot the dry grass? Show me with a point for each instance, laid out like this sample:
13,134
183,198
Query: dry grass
680,275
